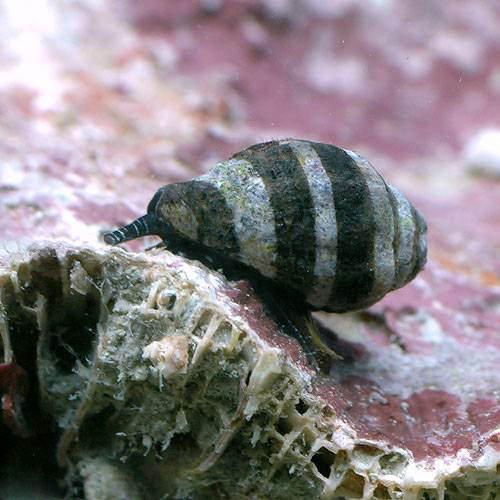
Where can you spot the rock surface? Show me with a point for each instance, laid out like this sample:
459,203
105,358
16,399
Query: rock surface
164,380
102,102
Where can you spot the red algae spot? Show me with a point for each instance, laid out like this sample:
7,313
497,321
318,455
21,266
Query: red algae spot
429,423
484,413
13,388
441,427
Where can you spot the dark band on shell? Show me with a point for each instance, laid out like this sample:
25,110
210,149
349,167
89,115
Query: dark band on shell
315,218
292,206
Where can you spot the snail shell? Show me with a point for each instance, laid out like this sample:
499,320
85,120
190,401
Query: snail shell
317,219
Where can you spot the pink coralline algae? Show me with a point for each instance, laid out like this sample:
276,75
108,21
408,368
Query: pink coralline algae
145,94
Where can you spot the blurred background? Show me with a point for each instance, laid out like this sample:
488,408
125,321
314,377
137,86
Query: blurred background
102,102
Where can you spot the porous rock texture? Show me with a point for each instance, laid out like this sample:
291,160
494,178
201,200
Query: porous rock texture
101,103
163,379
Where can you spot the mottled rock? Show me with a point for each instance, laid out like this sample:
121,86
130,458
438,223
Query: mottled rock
161,376
103,102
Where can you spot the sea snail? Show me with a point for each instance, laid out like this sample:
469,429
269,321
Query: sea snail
317,219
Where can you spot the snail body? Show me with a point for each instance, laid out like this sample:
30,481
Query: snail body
314,218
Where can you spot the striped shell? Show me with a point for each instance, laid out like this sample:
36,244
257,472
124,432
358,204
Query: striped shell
315,218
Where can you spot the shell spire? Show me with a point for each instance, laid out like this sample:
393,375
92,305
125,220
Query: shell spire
143,226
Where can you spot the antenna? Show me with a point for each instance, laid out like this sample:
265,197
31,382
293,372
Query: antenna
143,226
